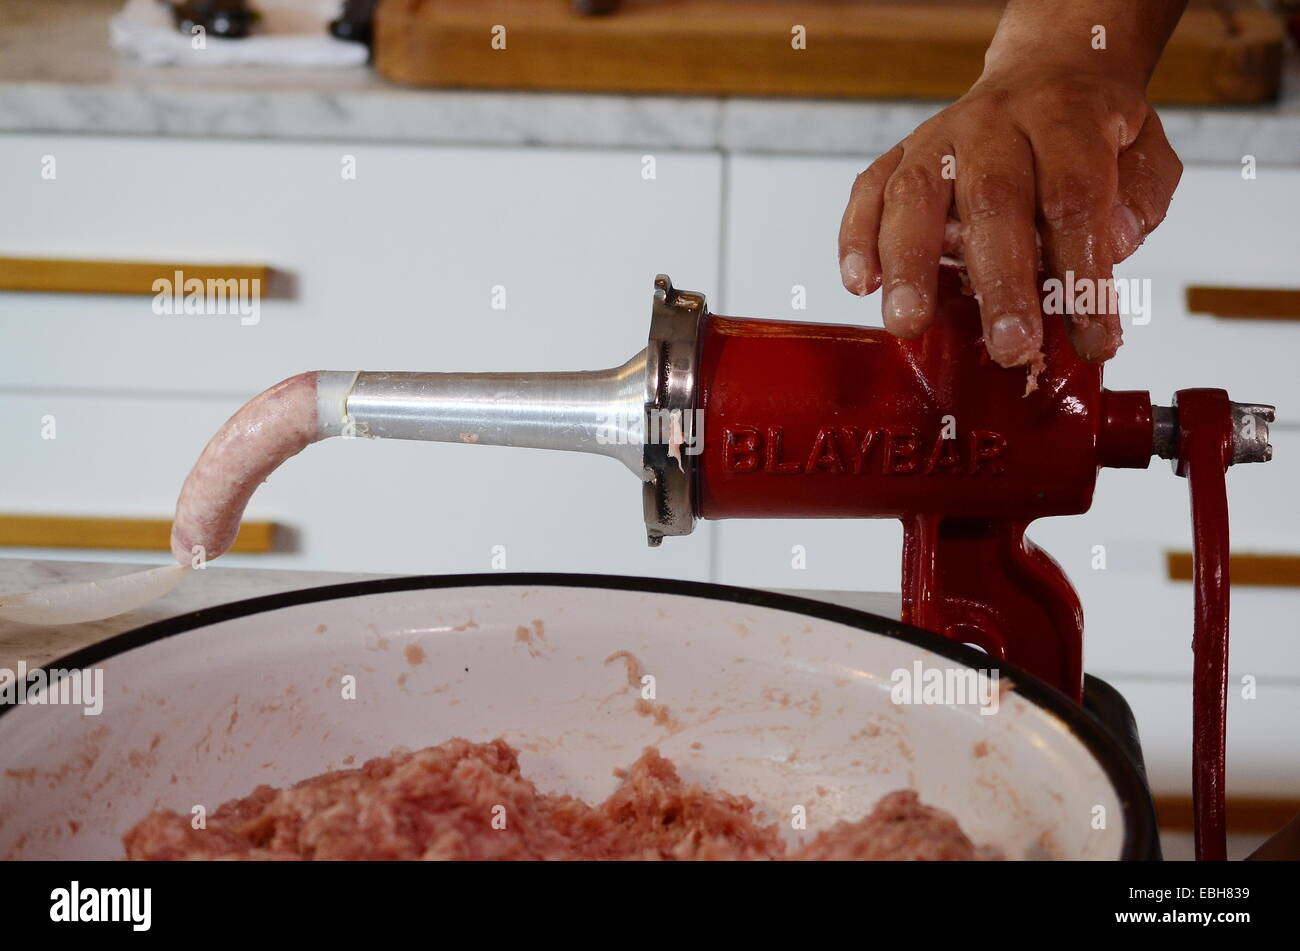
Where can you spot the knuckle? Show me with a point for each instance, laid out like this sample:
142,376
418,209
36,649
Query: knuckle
1148,209
991,195
1071,200
907,260
875,174
1166,171
1000,99
1001,289
1151,205
1072,100
927,137
866,183
1148,183
912,183
982,102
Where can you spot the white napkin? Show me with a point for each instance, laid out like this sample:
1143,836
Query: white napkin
289,33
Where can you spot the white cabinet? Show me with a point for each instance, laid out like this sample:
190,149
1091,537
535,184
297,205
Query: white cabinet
396,269
1263,745
783,217
1221,230
1137,619
354,505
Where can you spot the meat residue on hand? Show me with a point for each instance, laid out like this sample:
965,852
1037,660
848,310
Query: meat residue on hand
464,800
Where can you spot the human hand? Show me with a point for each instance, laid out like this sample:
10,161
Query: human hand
1049,165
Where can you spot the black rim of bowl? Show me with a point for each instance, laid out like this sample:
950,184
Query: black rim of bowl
1123,774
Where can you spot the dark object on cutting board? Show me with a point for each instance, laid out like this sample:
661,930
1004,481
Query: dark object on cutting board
355,22
228,19
588,8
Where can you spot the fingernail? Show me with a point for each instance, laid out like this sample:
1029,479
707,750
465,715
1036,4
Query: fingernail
1125,230
1010,342
1095,339
903,311
853,272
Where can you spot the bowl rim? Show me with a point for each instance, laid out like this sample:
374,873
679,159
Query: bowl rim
1123,773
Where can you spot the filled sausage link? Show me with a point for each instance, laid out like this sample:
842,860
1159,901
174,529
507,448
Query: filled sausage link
272,427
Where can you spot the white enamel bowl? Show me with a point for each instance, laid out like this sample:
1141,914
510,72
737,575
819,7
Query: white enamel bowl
784,700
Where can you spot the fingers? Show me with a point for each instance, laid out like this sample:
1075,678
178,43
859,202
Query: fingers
1076,187
1149,171
995,201
912,225
860,227
1077,175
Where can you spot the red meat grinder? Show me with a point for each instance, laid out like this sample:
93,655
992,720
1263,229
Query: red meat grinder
727,417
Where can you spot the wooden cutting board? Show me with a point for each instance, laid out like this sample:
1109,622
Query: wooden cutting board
854,48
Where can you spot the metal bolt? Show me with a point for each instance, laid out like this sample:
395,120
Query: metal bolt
1250,432
1164,432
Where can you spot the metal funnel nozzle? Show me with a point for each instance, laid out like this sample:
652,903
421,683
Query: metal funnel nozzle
641,413
597,411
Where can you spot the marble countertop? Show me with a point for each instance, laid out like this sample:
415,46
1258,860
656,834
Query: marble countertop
58,74
216,584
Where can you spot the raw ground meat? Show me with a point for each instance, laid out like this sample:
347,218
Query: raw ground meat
899,827
441,802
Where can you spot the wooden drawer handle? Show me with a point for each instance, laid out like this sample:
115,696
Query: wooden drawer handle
1267,571
1244,303
69,276
128,534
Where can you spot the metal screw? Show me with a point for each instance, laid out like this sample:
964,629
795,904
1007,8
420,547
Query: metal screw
1250,432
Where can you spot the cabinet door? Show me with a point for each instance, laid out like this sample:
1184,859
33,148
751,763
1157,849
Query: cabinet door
783,217
1263,745
429,259
347,505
